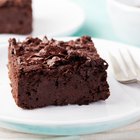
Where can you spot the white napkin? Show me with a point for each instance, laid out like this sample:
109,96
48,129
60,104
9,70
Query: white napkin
136,3
131,2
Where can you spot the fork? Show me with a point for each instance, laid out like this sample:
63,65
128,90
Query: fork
125,75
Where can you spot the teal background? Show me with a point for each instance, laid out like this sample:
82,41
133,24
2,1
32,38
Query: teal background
98,23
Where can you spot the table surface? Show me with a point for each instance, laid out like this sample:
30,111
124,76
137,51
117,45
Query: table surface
97,25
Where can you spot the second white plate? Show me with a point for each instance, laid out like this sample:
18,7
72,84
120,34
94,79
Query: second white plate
56,17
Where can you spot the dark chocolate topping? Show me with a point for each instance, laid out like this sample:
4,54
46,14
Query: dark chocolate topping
52,53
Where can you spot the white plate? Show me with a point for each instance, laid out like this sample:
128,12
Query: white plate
122,107
57,17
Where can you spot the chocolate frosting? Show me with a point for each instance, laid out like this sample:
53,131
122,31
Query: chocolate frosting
53,53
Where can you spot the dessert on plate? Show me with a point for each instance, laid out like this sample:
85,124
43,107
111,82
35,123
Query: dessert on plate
16,16
51,72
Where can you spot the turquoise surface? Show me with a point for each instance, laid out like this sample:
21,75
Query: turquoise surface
97,22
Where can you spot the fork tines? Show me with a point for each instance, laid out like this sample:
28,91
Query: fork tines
125,68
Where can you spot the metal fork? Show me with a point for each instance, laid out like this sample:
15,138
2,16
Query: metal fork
126,75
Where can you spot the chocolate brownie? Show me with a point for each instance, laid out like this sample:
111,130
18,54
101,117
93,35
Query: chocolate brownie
16,16
50,72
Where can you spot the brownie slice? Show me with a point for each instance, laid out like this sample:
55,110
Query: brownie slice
50,72
16,16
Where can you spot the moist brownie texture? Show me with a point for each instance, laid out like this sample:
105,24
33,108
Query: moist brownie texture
16,16
50,72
